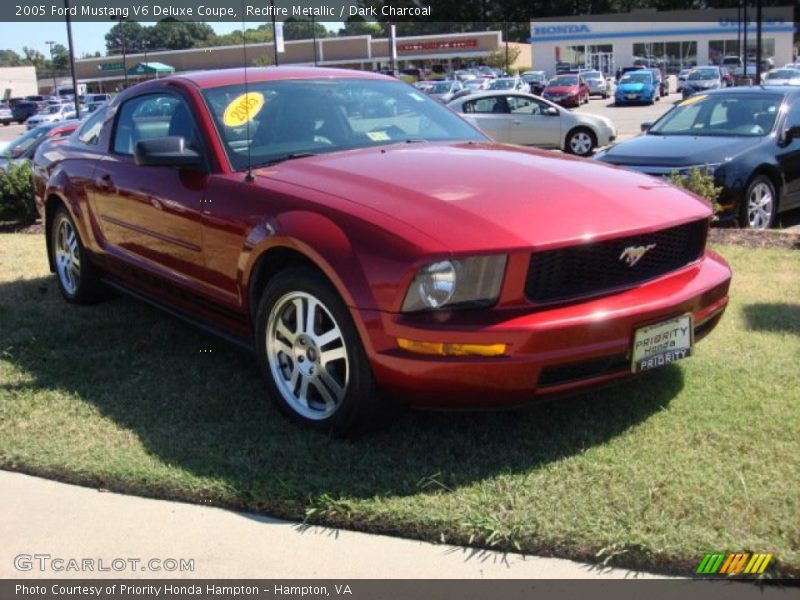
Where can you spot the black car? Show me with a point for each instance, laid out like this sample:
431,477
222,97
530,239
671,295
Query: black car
24,109
536,80
748,137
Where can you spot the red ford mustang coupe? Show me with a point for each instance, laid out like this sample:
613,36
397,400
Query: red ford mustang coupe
372,246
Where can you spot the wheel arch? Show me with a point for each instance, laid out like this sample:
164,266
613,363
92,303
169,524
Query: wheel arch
52,202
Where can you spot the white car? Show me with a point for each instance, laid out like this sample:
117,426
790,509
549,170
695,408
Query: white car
508,84
528,120
51,114
684,73
781,77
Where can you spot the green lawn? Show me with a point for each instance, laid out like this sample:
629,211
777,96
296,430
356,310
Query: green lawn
698,457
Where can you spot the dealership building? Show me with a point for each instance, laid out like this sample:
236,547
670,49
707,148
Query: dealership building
671,40
453,50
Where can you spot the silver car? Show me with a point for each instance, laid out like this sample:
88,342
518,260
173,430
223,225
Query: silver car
528,120
598,86
444,90
782,77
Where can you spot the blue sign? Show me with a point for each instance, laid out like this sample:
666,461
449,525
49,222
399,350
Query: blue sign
561,29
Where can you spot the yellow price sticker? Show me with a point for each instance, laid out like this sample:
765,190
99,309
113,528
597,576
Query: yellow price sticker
242,109
693,99
378,136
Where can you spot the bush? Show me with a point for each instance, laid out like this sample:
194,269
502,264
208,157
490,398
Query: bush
16,193
698,181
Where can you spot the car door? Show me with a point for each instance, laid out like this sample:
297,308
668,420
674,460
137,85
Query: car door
788,158
531,125
491,115
151,214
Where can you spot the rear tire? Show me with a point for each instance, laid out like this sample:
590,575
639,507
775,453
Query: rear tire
75,274
312,358
581,142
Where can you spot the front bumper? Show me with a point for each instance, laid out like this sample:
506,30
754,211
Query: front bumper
548,351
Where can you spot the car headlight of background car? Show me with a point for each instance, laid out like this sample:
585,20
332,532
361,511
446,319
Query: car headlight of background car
457,283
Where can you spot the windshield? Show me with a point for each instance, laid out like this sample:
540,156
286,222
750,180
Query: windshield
18,146
440,88
300,117
564,81
701,74
720,115
501,84
783,74
636,78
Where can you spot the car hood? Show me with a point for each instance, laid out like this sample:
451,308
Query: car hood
677,150
471,196
569,89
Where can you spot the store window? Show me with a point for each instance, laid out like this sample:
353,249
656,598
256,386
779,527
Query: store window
573,56
669,56
719,49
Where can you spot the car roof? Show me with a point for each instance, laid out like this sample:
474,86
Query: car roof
755,90
222,77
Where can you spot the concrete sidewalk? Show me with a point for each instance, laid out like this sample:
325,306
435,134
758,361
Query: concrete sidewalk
43,517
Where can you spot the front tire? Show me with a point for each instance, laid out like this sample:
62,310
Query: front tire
760,204
311,356
76,277
581,142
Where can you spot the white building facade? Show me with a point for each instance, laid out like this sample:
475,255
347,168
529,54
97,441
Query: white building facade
670,40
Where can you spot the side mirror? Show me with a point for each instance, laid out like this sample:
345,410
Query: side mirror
789,134
551,111
646,126
169,151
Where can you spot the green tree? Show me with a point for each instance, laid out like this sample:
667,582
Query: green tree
358,26
60,58
135,36
9,58
295,29
497,58
261,34
172,34
35,58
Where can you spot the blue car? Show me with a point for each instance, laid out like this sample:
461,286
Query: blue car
636,87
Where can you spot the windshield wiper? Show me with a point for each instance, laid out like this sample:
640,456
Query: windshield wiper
281,159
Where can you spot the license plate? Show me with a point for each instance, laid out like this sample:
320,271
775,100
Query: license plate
631,96
662,343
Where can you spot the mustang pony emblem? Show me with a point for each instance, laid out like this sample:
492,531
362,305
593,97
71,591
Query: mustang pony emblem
633,254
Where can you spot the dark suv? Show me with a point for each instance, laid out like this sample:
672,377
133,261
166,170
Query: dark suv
24,109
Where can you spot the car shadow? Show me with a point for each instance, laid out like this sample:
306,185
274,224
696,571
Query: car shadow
773,317
197,404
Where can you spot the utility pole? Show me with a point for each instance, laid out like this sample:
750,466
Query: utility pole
120,20
744,38
758,42
314,37
72,60
274,32
53,68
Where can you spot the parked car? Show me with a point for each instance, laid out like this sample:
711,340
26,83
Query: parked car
782,77
23,110
365,260
567,90
508,83
528,120
444,91
660,82
681,79
477,84
52,114
636,87
23,147
536,80
6,116
95,98
702,79
424,85
748,137
597,83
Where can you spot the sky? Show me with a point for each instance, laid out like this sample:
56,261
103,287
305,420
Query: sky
87,37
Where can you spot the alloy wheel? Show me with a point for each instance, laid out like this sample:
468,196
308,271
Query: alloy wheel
67,255
580,143
307,355
760,206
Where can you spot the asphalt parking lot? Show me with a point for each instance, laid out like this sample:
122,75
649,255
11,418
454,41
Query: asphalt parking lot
628,119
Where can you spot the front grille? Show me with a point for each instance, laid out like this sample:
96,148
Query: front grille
599,267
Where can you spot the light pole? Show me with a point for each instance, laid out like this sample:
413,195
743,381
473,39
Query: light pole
120,20
274,36
52,66
72,61
314,37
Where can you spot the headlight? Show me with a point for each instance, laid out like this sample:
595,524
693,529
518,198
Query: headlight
464,283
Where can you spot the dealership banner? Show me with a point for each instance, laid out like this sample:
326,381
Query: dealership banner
371,589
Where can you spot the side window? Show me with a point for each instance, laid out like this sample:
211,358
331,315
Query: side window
520,105
486,105
153,116
89,133
793,117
